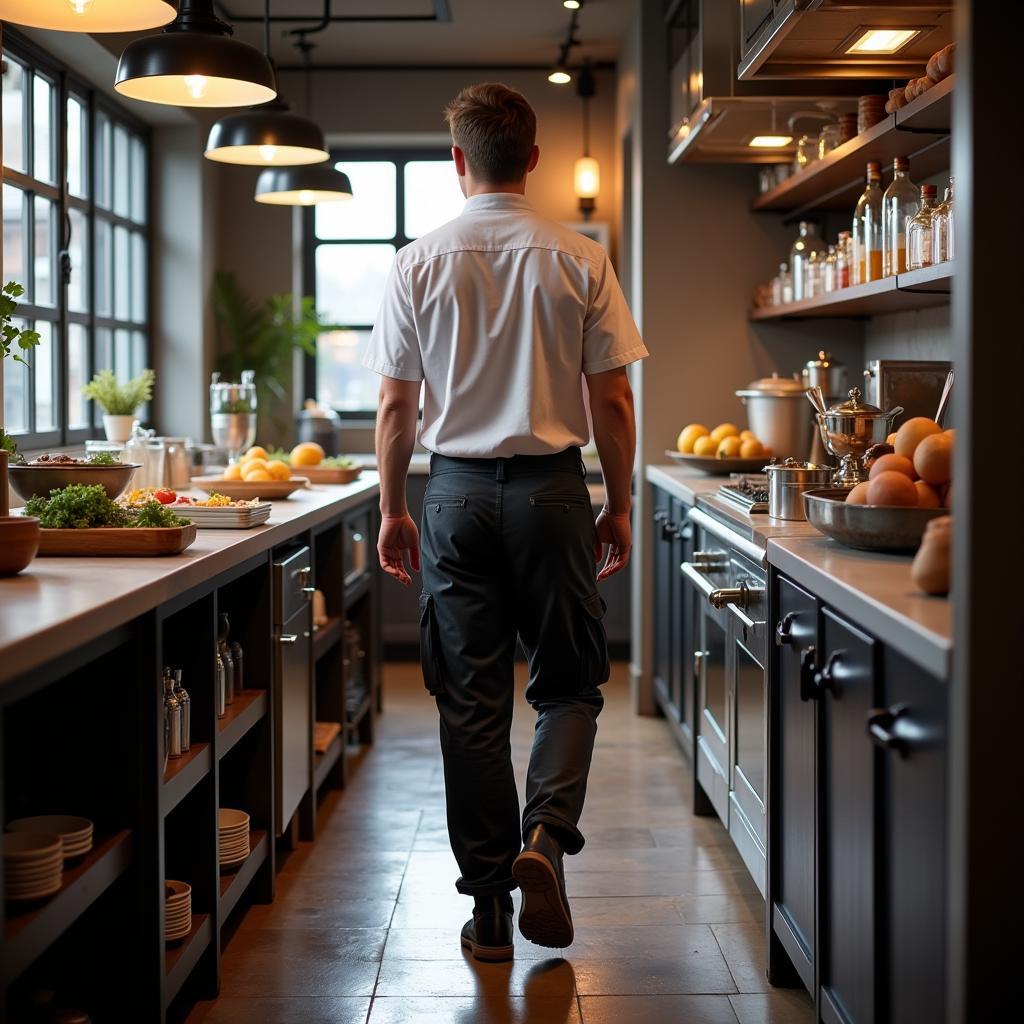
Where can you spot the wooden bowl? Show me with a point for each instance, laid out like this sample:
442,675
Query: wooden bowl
19,542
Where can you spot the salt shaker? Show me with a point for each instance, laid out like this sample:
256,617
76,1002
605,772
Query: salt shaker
172,718
220,685
186,712
224,650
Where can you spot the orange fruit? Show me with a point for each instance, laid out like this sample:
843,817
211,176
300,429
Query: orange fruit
892,463
926,496
933,459
858,495
253,476
308,453
750,448
255,452
689,436
233,472
912,433
724,430
892,488
253,463
705,446
729,447
748,435
278,470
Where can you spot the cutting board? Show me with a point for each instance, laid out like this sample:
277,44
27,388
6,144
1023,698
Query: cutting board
116,541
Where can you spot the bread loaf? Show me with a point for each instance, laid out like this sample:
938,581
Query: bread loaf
944,61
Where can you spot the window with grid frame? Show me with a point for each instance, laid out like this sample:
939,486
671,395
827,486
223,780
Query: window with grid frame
397,195
75,234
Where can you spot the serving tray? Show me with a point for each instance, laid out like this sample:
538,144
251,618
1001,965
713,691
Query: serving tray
239,489
110,540
332,474
714,466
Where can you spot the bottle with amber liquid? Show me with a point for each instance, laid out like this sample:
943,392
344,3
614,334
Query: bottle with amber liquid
919,231
899,204
867,229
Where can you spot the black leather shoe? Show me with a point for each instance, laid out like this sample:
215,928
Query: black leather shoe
488,933
544,917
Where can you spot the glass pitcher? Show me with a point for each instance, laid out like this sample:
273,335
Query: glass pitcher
233,414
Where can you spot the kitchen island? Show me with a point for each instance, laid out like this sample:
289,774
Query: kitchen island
83,642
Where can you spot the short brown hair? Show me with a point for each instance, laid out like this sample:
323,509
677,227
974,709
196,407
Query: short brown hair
495,127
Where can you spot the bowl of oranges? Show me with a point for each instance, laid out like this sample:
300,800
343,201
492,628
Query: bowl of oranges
255,475
721,451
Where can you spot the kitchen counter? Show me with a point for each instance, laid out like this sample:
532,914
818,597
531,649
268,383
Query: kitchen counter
59,603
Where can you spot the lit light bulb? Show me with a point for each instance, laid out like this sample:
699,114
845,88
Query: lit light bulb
587,177
195,84
80,6
572,5
268,153
559,76
306,197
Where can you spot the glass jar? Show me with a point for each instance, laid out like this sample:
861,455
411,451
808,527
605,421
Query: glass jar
942,228
830,276
233,414
807,242
899,204
830,137
843,256
867,229
806,151
785,282
919,231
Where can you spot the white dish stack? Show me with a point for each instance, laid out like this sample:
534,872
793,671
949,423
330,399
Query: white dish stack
226,517
177,910
232,836
33,865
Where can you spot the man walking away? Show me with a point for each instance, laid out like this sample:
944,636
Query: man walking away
500,314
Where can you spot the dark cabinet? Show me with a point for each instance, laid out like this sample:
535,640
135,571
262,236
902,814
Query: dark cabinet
662,609
684,611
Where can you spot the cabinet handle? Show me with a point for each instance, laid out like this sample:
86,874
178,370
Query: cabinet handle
309,590
808,672
686,533
698,661
669,531
825,679
883,728
288,638
660,516
783,636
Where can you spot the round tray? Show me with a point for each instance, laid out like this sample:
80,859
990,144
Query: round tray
714,466
268,489
867,527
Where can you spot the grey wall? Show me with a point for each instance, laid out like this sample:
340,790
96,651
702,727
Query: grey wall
916,334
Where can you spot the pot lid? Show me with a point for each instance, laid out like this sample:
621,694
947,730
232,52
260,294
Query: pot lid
773,385
823,362
855,407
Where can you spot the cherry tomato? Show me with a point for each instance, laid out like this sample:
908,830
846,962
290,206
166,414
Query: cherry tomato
165,497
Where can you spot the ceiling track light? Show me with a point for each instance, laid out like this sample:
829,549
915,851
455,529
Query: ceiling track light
88,15
560,73
195,63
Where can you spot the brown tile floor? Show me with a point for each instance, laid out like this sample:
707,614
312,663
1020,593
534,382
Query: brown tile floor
366,922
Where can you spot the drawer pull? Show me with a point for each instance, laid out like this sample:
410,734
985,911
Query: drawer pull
824,678
669,531
309,590
660,516
783,631
289,638
883,728
808,674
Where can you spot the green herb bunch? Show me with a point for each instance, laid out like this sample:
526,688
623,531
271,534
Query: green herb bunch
86,506
104,459
117,399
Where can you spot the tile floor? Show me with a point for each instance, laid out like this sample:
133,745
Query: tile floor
365,927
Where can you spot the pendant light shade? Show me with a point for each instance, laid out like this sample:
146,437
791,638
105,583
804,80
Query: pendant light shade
88,15
194,63
268,136
303,186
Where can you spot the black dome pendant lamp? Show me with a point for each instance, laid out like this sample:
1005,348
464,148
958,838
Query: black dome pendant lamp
88,15
269,135
195,63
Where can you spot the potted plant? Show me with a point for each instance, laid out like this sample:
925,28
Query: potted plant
119,402
13,341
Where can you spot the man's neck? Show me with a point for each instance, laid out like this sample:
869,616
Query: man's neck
486,188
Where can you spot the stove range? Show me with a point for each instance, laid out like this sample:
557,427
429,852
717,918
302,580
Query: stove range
747,491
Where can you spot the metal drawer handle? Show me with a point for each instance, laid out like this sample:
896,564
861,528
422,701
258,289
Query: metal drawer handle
783,631
882,727
825,678
309,590
303,573
697,577
808,673
289,638
660,516
698,662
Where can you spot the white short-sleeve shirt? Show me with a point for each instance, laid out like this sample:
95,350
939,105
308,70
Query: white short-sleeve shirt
500,313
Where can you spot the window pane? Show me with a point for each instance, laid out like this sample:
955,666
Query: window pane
432,195
140,355
139,282
350,281
122,172
104,257
138,181
341,382
78,147
104,350
122,275
44,364
78,251
102,186
122,355
16,381
42,128
45,256
370,213
78,372
14,114
14,235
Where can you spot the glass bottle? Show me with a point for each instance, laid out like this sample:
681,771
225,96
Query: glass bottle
186,712
224,650
843,251
867,229
942,228
219,685
172,718
814,274
899,204
785,282
830,275
919,231
238,657
806,243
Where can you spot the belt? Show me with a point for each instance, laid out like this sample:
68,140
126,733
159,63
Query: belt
568,461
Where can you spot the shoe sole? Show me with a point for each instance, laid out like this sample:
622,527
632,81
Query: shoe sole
544,918
489,954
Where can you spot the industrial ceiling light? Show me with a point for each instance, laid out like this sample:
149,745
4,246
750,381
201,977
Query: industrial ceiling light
88,15
302,186
881,40
559,75
193,63
770,141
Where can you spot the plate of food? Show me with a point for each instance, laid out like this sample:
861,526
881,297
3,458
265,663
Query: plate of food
48,472
310,459
216,511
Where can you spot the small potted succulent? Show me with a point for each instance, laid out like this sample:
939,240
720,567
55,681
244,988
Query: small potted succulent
119,402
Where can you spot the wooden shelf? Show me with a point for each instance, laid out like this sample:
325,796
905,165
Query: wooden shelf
918,131
183,774
326,637
181,957
323,763
234,883
248,708
28,933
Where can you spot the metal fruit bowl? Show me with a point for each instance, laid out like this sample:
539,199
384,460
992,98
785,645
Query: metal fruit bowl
867,527
28,481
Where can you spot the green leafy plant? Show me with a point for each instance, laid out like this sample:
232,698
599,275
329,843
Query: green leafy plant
117,399
13,342
86,506
104,459
263,336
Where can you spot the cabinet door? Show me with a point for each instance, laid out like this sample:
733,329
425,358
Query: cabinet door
792,811
846,685
661,611
685,625
677,670
911,729
293,741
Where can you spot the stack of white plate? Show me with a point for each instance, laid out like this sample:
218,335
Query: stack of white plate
232,836
226,517
33,865
177,910
75,833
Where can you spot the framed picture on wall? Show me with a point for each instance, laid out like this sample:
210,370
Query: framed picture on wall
598,230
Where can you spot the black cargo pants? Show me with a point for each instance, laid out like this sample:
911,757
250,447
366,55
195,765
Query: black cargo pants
508,548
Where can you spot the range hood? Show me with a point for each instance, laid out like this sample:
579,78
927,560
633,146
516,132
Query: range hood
818,38
713,116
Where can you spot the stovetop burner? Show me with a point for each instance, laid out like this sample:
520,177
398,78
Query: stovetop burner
748,491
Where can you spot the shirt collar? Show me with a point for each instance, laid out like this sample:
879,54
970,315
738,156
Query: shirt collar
497,201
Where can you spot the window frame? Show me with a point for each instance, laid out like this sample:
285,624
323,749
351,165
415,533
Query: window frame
68,84
399,156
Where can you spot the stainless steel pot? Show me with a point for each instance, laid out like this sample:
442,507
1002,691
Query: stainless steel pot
849,429
827,373
777,416
787,482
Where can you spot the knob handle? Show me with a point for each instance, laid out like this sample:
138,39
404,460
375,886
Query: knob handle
669,531
729,595
783,633
660,516
824,678
808,674
882,727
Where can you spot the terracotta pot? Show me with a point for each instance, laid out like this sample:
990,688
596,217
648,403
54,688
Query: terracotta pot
5,508
19,542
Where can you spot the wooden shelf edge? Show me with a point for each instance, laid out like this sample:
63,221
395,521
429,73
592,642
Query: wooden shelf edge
248,708
233,885
937,278
326,636
184,774
323,763
180,961
931,111
29,934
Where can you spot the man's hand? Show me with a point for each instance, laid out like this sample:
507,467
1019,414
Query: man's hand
617,533
398,534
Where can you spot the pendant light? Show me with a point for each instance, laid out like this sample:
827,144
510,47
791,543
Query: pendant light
266,136
586,170
194,63
308,184
88,15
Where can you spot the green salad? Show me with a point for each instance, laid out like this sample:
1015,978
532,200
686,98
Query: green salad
86,506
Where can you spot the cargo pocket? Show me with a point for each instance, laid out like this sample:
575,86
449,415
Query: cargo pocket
430,649
595,667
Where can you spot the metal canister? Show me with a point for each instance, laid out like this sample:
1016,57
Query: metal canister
224,649
172,718
787,482
186,712
238,657
220,686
